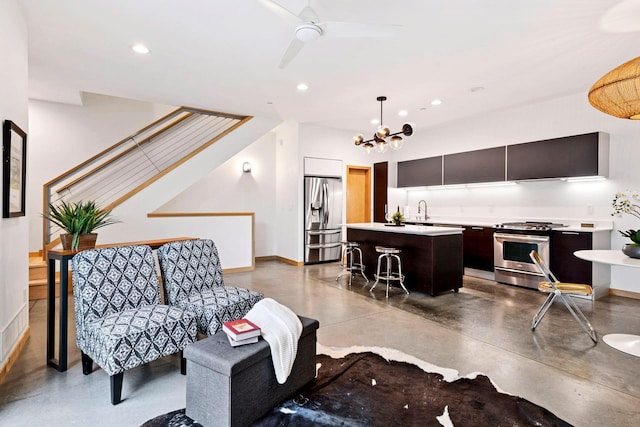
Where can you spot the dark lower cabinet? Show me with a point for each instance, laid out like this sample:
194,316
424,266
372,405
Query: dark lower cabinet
564,264
478,247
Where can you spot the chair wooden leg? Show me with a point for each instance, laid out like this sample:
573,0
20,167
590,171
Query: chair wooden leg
183,364
116,388
87,364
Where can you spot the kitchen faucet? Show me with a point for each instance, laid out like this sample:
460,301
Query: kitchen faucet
425,209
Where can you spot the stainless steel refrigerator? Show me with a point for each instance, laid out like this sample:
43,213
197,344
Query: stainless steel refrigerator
323,214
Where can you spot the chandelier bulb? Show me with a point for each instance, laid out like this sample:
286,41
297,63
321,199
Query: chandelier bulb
396,142
368,147
383,131
382,146
358,139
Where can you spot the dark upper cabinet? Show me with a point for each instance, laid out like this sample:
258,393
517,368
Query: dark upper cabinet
420,172
571,156
475,166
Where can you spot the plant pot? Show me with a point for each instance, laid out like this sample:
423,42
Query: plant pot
85,241
632,251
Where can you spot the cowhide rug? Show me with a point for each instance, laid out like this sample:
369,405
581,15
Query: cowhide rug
364,386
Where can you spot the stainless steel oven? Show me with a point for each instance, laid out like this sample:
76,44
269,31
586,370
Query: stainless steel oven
511,258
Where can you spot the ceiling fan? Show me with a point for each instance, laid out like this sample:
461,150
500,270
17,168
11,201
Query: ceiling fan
308,27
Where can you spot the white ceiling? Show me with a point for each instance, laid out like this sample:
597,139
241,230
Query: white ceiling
224,54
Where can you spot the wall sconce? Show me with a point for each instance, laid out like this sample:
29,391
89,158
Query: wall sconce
246,167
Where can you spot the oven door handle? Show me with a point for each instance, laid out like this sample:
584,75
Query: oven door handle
512,270
521,237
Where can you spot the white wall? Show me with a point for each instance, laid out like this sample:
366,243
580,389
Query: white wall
63,136
14,248
288,192
228,189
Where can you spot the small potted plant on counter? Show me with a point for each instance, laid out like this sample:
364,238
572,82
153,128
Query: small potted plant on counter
397,218
628,202
79,220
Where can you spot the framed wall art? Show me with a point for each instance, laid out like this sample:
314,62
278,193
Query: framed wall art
14,170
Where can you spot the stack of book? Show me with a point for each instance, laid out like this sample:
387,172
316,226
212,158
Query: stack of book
241,331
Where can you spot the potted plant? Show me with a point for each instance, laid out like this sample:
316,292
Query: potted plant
397,218
79,220
628,202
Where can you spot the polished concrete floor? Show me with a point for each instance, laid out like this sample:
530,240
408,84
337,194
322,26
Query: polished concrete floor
483,328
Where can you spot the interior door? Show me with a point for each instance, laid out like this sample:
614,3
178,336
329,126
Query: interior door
358,194
380,183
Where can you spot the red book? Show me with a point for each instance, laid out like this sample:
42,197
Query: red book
241,329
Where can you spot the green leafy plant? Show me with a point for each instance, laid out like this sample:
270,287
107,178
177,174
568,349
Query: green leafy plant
634,235
628,202
79,218
397,217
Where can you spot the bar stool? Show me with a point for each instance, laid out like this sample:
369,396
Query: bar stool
351,260
389,254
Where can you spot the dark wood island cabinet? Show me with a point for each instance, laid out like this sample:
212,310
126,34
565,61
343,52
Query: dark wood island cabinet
432,258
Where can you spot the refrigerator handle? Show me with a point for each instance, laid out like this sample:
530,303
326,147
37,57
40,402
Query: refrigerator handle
325,203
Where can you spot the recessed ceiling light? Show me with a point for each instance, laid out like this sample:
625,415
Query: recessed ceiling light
140,48
402,113
302,87
375,121
436,102
477,89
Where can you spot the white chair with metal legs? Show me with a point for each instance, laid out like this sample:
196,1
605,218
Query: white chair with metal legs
564,291
351,261
389,254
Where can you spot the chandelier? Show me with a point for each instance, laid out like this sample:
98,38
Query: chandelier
379,140
618,92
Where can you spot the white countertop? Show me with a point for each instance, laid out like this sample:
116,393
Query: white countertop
571,225
608,256
423,230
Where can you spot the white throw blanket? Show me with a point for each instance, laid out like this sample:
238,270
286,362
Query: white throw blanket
281,328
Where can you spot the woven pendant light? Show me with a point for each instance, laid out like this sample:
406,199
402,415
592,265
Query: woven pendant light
618,92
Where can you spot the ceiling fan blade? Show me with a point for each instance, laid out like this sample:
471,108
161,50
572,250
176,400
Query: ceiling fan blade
283,13
334,29
294,48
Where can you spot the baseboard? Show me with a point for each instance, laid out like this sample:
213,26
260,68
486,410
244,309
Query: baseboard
13,354
279,258
626,294
290,261
237,270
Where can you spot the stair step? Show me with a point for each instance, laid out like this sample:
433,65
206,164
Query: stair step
37,271
38,287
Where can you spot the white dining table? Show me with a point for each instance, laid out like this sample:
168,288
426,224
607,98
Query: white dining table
627,343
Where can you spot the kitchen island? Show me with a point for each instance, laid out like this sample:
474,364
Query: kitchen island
431,256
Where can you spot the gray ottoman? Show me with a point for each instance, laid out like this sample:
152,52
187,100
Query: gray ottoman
234,386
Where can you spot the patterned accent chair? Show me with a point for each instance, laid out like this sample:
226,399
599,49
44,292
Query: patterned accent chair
192,279
120,323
